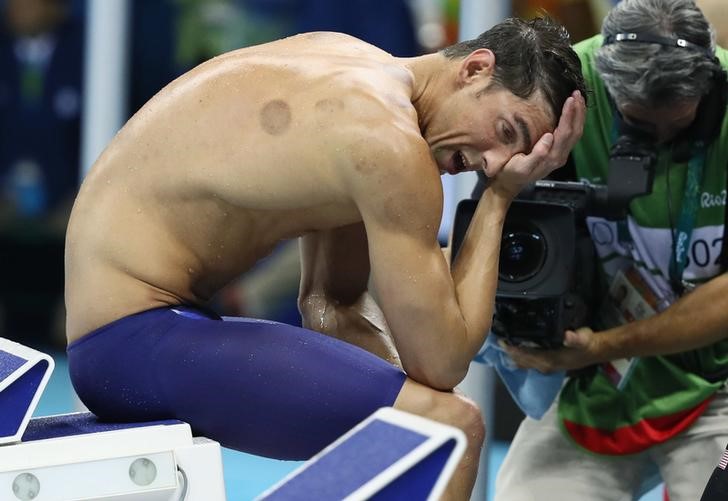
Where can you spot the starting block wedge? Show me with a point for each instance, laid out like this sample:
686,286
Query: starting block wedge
390,455
24,373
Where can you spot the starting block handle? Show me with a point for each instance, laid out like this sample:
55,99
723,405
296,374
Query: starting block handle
390,455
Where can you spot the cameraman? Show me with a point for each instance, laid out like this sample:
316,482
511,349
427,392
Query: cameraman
645,398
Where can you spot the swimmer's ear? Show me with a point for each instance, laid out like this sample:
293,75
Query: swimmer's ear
479,63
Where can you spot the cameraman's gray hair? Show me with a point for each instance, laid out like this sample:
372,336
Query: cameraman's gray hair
649,74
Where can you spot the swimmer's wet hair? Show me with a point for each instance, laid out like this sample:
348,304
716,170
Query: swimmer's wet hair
530,55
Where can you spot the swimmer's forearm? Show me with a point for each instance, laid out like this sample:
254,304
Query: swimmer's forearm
324,314
475,271
361,323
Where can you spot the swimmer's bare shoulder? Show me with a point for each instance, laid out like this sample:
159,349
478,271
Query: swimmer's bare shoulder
358,119
316,136
396,185
378,139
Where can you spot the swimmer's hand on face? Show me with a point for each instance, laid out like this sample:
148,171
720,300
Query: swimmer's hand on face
550,151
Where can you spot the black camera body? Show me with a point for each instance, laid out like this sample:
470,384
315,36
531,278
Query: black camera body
547,268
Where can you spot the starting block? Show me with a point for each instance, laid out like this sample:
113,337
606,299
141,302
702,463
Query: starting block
77,457
391,455
24,373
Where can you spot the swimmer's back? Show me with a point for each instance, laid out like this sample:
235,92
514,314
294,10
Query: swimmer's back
246,150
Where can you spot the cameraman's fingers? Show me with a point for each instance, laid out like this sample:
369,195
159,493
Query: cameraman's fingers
527,358
579,338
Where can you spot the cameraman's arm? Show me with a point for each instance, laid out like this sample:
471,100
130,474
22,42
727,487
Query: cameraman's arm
696,320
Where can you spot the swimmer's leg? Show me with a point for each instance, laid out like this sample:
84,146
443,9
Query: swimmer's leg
256,386
456,410
269,388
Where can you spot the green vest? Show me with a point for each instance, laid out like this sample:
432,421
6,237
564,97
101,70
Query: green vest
664,394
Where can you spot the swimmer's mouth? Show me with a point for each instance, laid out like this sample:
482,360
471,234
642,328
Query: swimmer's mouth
460,162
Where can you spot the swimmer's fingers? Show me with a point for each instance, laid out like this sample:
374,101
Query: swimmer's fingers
567,132
552,149
522,169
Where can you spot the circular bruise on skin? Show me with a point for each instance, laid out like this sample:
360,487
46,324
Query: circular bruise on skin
365,165
327,111
275,117
329,105
364,159
394,211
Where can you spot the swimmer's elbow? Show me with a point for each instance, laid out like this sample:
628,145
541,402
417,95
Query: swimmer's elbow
441,366
442,376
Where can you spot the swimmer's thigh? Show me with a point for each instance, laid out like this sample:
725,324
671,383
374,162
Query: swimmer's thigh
271,389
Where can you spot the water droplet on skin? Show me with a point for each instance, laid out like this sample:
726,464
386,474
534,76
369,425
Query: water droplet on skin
190,270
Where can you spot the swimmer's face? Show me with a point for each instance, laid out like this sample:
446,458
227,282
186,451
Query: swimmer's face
481,126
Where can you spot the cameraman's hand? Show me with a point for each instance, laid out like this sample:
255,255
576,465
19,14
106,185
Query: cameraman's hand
550,151
580,350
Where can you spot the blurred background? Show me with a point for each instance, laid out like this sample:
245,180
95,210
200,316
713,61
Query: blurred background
73,71
54,101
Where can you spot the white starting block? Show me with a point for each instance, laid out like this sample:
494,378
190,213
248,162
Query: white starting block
391,455
75,457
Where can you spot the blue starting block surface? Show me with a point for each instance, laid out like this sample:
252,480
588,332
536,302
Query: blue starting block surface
391,455
81,423
24,373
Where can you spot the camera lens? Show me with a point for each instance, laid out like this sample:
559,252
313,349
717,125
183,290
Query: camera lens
522,254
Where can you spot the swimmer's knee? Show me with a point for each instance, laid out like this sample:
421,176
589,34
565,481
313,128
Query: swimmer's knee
465,414
446,407
473,423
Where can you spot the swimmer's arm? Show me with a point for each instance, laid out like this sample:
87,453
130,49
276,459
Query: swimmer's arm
334,264
333,297
438,319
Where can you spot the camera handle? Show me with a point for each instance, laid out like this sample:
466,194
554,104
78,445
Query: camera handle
630,176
